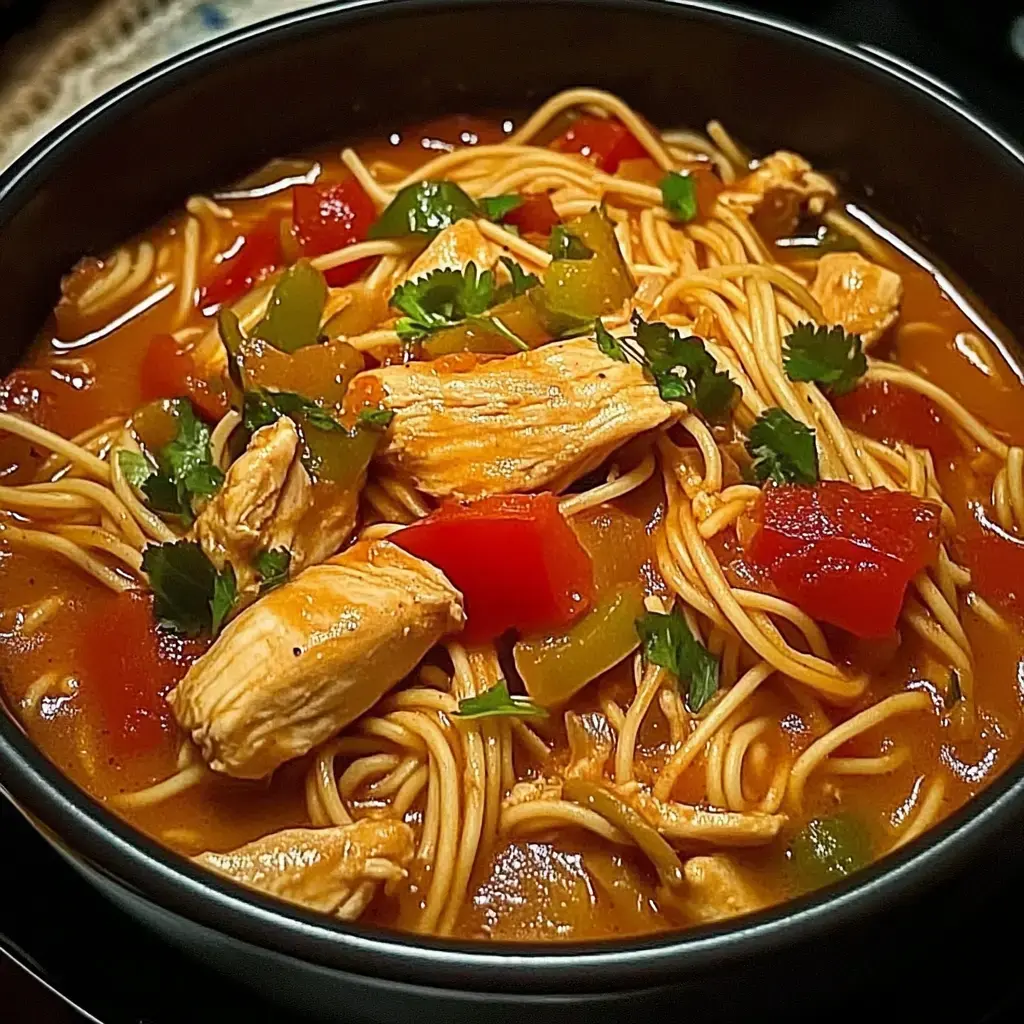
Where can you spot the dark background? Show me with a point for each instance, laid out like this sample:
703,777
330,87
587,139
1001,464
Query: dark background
69,937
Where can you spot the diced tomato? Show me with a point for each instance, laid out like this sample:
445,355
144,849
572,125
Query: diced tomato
126,666
514,557
535,217
329,217
604,140
887,412
996,561
168,371
843,555
256,257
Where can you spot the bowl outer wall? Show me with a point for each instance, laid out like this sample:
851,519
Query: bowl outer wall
346,70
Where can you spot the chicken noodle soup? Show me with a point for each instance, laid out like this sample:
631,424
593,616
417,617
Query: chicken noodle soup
552,531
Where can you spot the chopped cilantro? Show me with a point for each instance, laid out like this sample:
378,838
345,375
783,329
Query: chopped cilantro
272,568
608,343
425,208
497,207
379,418
263,407
498,702
137,469
189,595
520,284
679,195
783,449
668,642
440,299
827,355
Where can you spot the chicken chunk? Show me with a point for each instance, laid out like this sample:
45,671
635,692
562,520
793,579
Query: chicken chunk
716,889
318,867
267,501
534,420
453,249
310,657
860,296
779,172
684,822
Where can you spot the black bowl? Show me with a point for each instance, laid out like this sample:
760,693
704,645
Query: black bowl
350,69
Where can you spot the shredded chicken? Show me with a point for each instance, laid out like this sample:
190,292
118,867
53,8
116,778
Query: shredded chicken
318,867
266,502
310,657
779,172
453,249
715,889
531,790
860,296
534,420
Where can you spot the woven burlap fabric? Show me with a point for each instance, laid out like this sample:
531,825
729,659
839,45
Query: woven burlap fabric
109,43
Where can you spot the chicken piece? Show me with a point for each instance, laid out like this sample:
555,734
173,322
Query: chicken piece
534,420
318,867
531,790
716,889
310,657
779,172
268,501
453,249
591,743
858,295
724,828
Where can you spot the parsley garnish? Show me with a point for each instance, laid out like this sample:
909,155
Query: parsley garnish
263,407
425,208
679,195
497,207
682,368
378,418
827,355
783,449
668,642
137,469
565,246
272,568
498,702
185,470
189,595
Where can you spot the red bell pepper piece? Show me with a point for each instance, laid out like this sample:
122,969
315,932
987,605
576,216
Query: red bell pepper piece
330,216
126,667
603,140
536,216
516,560
843,555
886,412
168,371
996,561
258,255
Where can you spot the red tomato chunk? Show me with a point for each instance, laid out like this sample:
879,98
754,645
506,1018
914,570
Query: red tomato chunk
256,257
168,371
516,560
604,141
535,217
887,412
843,555
996,561
329,217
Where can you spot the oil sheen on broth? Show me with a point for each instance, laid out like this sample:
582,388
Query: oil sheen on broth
535,552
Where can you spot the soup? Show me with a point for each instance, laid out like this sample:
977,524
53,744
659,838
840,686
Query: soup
560,530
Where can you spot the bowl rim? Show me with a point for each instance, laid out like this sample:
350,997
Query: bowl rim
174,884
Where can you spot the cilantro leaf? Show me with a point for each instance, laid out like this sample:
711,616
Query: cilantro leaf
668,642
379,418
679,195
225,597
440,299
608,343
685,371
272,568
497,702
496,207
827,355
189,595
137,469
424,208
185,469
783,449
564,246
520,284
262,408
